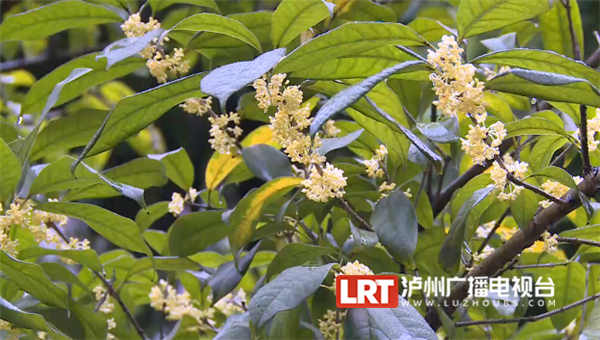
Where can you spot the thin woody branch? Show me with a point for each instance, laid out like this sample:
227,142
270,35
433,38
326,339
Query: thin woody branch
521,240
574,42
364,224
585,154
528,318
578,241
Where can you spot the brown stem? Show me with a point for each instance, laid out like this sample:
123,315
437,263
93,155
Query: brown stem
541,265
574,42
527,318
365,225
579,241
585,154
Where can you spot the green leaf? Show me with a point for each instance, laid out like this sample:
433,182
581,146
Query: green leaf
159,5
348,40
134,113
119,230
67,132
31,278
227,276
556,174
195,232
236,327
179,167
59,273
365,239
10,172
266,162
402,322
430,29
392,216
7,132
209,22
157,240
498,107
450,253
543,151
226,80
439,132
544,85
556,34
59,16
478,17
503,42
293,255
245,216
348,96
592,327
534,126
569,287
524,207
360,10
287,291
145,217
291,18
330,144
57,177
128,47
22,319
164,263
540,60
40,91
87,258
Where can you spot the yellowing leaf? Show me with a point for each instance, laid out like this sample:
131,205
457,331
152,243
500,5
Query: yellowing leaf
246,214
219,166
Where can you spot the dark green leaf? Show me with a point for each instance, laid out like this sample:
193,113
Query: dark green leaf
363,238
227,276
295,254
10,172
292,17
145,217
236,327
569,287
119,230
395,222
483,16
59,273
195,232
87,258
524,207
330,144
266,162
128,47
225,80
179,167
159,5
535,126
22,319
59,16
287,291
556,174
57,177
439,132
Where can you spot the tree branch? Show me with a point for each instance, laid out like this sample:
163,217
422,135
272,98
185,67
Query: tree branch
365,225
573,240
574,42
521,240
585,154
541,265
527,318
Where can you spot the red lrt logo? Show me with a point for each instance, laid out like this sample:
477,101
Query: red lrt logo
366,291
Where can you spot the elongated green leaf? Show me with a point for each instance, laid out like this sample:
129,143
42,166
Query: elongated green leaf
287,291
128,47
87,258
438,132
67,132
159,5
10,172
291,18
22,319
132,114
540,60
25,148
31,278
179,167
348,96
266,162
592,328
348,40
543,151
228,276
330,144
225,80
59,273
450,253
119,230
498,107
164,263
476,17
195,232
59,16
209,22
7,132
40,91
556,34
402,322
295,254
57,177
394,215
556,174
524,207
244,218
534,126
569,287
549,86
236,327
145,217
430,29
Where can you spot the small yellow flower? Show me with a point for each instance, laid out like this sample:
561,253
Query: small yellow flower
550,242
224,137
177,204
320,187
330,325
197,106
330,129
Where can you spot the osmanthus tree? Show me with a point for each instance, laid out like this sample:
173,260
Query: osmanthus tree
376,147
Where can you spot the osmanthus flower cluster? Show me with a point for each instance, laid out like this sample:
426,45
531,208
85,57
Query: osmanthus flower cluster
325,181
21,213
177,203
593,126
556,189
499,176
106,307
159,64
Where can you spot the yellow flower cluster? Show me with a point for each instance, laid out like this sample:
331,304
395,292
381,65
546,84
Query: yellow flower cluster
330,129
556,189
356,268
476,142
134,27
288,124
231,303
375,165
177,203
197,106
164,297
491,73
593,126
330,325
106,307
487,251
499,176
11,333
550,242
111,325
224,138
